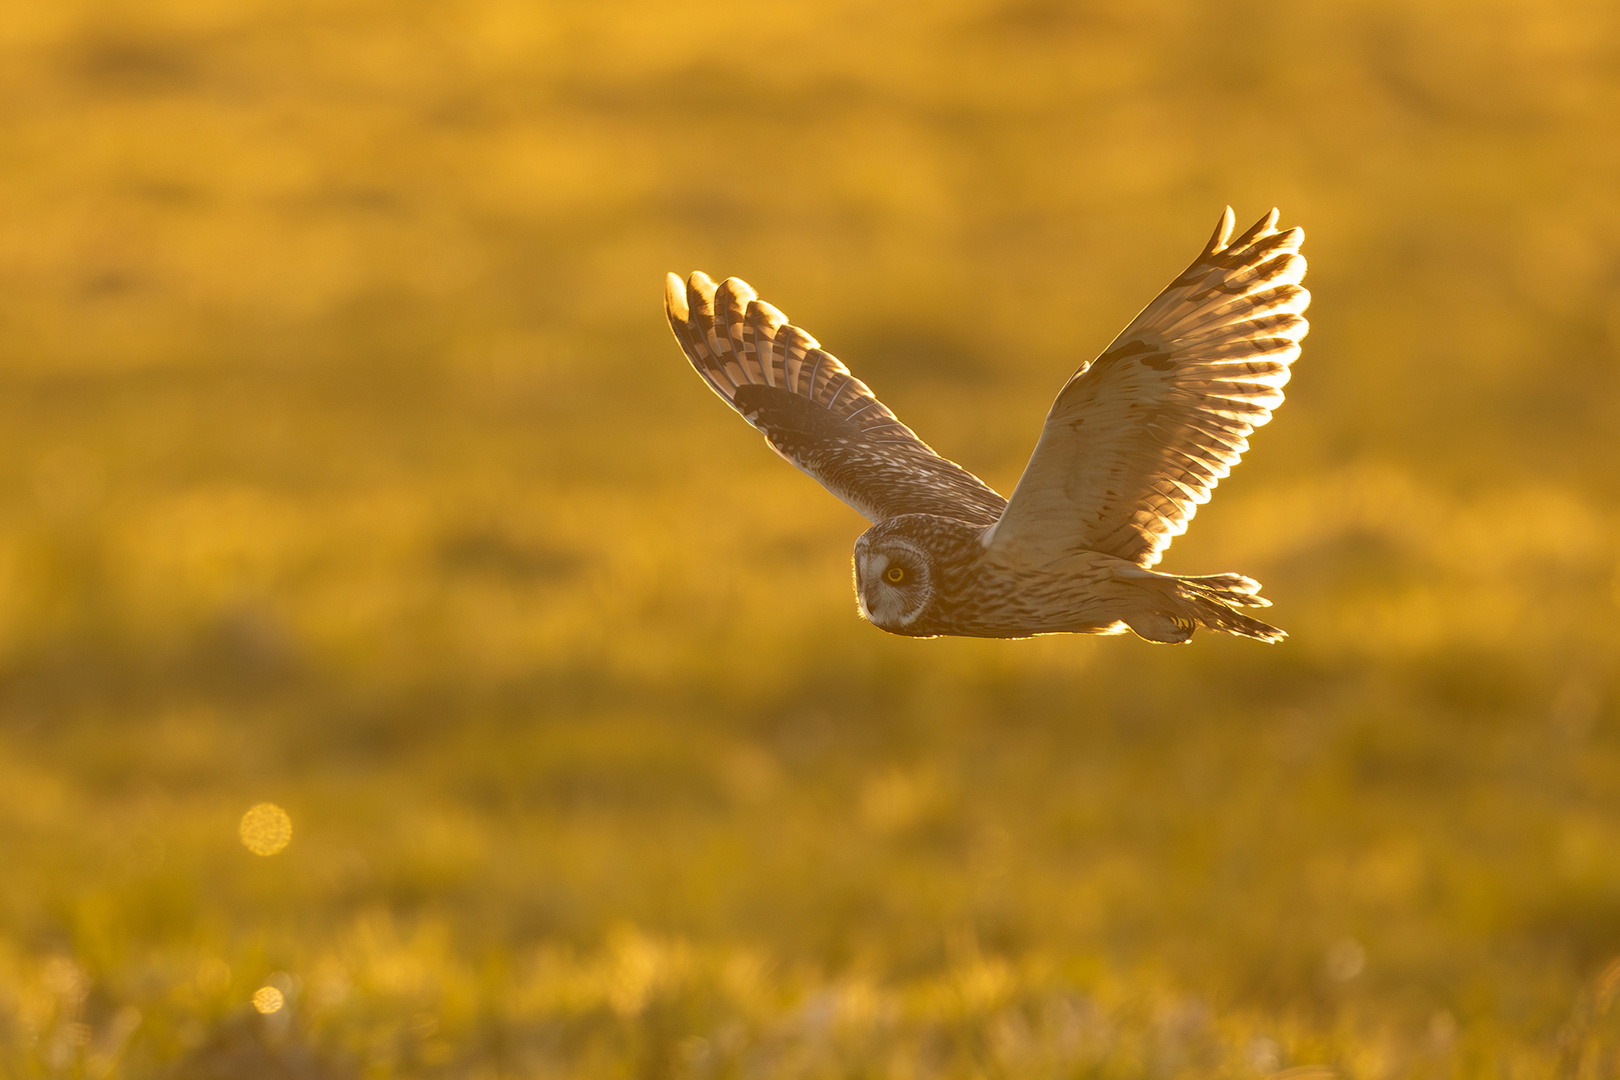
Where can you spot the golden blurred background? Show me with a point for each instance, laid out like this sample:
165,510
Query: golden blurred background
408,668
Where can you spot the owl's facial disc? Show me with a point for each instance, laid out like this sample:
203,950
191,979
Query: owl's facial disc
892,582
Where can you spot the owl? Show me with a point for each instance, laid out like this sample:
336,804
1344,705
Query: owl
1134,444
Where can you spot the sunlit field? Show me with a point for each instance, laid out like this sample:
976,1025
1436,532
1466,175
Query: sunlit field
348,466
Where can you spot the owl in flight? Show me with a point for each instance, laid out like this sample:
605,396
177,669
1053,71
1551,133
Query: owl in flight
1136,441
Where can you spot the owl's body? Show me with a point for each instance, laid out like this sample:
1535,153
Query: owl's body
954,586
1134,443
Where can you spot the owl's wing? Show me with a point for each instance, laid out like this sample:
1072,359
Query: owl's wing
812,411
1139,437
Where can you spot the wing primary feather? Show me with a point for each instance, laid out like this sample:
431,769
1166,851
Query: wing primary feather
1259,228
873,404
675,297
815,370
832,402
1223,232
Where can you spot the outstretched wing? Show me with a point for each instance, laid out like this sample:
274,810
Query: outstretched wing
812,411
1139,437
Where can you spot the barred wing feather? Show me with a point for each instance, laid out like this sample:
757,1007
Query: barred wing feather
1139,437
812,411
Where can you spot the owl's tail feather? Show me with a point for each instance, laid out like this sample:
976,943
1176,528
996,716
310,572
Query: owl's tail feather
1187,603
1234,589
1218,615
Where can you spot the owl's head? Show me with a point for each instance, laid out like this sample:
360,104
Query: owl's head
894,580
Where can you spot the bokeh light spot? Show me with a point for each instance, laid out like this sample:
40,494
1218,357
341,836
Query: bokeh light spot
266,829
267,999
1345,960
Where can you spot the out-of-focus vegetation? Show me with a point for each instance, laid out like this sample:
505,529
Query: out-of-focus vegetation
346,464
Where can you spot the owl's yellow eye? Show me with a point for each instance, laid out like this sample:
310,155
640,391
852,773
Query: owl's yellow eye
894,575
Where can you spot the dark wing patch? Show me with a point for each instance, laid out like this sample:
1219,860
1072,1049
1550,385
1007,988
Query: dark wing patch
1138,439
812,411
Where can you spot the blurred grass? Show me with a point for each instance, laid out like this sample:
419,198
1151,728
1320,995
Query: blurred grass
346,463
